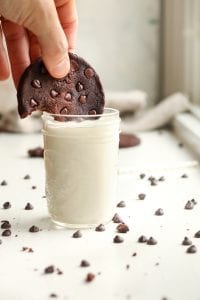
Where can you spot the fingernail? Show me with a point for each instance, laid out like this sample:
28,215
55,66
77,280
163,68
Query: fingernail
61,69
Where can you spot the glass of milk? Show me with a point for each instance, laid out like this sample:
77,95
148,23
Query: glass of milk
81,164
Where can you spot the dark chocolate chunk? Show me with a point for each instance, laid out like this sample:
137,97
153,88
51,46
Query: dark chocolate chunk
194,201
122,228
6,205
117,219
128,140
134,254
153,182
28,206
142,175
162,178
52,95
53,295
159,212
142,239
34,187
186,241
84,263
141,196
77,234
100,227
4,182
34,228
6,232
27,177
184,176
189,205
151,241
118,239
49,270
121,204
5,225
90,277
197,234
191,249
36,152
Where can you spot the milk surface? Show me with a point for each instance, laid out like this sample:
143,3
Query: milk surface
81,170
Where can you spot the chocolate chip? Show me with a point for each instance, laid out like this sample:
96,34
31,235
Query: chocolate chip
6,205
117,219
59,272
33,103
134,254
27,177
151,241
122,228
142,175
77,234
159,212
68,97
90,277
194,201
92,112
27,249
36,152
64,111
153,182
121,204
84,263
82,99
127,267
118,239
162,178
28,206
141,196
54,93
89,72
34,228
5,225
197,234
189,205
49,269
186,241
74,65
4,182
100,227
36,83
142,239
184,176
191,249
6,232
53,295
79,87
34,187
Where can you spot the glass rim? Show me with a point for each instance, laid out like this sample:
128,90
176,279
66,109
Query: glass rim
107,112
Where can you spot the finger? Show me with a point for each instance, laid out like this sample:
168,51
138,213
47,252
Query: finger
18,48
34,47
4,67
69,21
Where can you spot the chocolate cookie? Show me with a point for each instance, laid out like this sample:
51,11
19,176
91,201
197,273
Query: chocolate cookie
80,92
128,140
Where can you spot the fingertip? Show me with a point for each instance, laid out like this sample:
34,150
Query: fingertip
58,69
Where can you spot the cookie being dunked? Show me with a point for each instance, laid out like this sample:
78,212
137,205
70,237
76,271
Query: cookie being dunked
78,93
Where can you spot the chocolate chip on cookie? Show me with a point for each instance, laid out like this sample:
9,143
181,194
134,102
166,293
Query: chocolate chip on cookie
79,92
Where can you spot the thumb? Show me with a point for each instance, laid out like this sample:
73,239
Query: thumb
45,24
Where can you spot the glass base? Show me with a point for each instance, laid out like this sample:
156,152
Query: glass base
78,226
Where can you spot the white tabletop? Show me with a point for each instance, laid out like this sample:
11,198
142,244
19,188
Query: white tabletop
157,271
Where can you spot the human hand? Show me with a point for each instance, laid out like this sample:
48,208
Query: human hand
34,28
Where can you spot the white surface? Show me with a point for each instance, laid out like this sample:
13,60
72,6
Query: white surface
177,275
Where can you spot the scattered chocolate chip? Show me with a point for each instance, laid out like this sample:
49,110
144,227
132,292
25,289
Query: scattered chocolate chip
134,254
151,241
53,295
184,176
34,187
36,83
153,182
157,264
122,228
194,201
186,241
5,225
54,93
92,112
90,277
189,205
191,249
100,227
117,219
27,249
68,97
77,234
74,65
84,263
34,228
33,102
142,239
59,272
197,234
64,111
49,269
27,177
6,232
159,212
151,178
121,204
6,205
36,152
127,267
89,72
82,99
79,87
141,196
118,239
142,175
162,178
28,206
4,182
